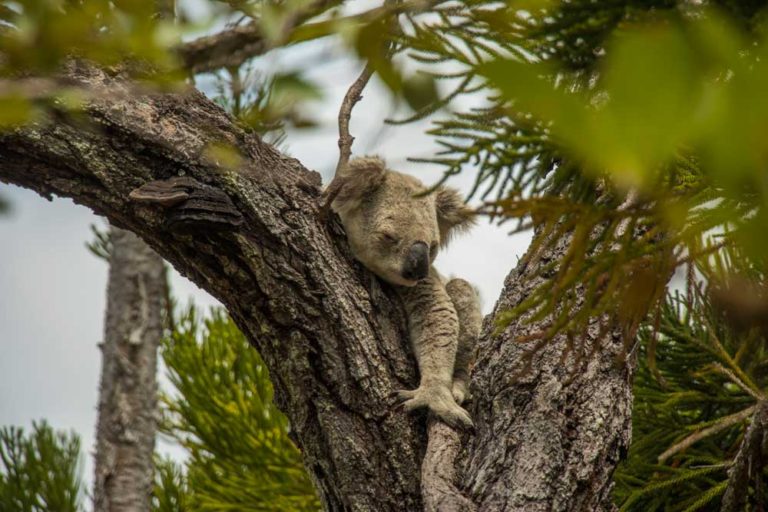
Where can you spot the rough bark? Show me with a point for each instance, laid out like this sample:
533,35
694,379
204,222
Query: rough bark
748,464
547,439
333,336
125,433
439,473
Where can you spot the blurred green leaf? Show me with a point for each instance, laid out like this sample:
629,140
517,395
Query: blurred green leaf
222,155
420,91
372,44
43,36
291,88
16,111
653,85
662,86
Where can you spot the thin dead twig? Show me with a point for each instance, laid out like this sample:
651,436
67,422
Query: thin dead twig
354,94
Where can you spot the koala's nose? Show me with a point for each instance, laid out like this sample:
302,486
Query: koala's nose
416,262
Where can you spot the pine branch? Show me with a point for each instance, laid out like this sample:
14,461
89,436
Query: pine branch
721,425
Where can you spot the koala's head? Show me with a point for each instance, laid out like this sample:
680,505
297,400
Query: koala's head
392,230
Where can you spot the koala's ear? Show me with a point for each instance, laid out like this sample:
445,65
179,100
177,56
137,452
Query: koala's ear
360,177
453,214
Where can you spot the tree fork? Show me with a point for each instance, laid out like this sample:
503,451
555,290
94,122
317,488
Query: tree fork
333,336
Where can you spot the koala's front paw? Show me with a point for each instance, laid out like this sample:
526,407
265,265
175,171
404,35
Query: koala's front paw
440,401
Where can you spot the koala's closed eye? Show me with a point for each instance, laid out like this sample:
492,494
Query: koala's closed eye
387,238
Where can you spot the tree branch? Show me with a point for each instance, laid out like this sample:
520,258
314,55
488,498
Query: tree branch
354,94
722,424
749,462
439,476
229,48
235,45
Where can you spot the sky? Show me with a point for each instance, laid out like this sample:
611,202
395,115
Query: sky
52,290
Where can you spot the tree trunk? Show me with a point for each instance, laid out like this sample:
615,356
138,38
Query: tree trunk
549,438
125,433
333,336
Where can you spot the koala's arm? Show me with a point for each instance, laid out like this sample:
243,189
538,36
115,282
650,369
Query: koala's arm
434,329
467,305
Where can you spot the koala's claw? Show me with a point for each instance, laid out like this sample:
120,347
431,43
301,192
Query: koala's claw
403,395
440,401
460,391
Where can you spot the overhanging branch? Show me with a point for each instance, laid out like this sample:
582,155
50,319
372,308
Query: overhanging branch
234,46
230,48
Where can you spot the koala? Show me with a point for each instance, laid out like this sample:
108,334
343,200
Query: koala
396,233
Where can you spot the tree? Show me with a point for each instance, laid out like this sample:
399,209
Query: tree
39,471
334,340
245,223
134,324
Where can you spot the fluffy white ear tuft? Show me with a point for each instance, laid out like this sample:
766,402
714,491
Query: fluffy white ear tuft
453,214
360,177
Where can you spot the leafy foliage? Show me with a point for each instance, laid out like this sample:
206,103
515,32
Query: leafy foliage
38,39
696,390
171,492
220,410
632,126
629,127
51,32
240,455
39,471
266,104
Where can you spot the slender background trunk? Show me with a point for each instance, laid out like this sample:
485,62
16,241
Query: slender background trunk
133,327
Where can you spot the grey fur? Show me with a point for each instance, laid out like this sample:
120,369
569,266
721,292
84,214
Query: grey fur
384,216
